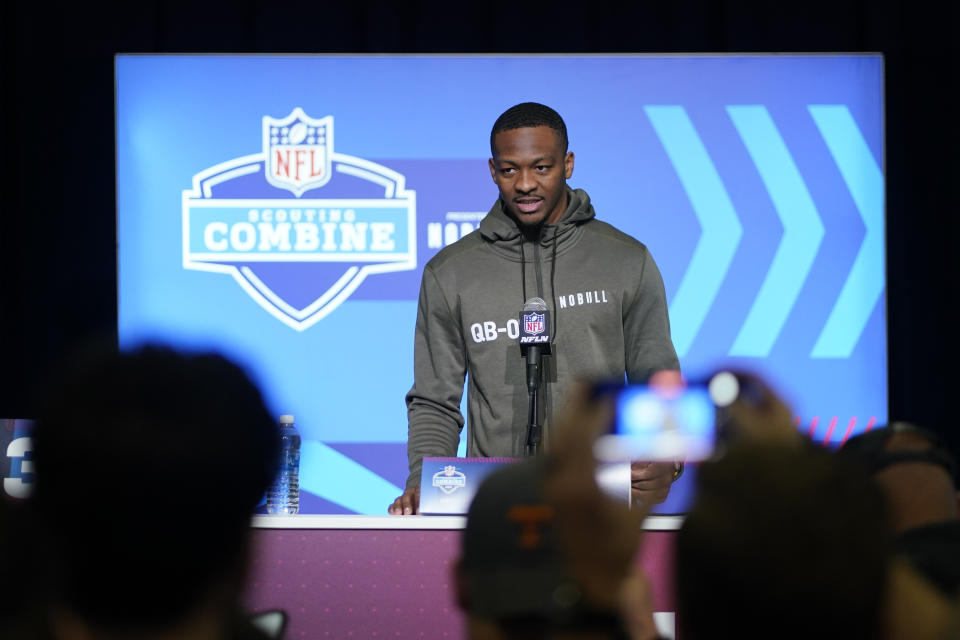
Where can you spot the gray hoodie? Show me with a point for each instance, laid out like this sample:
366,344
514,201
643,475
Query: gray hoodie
608,311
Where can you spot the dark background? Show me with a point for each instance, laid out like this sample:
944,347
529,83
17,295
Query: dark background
57,204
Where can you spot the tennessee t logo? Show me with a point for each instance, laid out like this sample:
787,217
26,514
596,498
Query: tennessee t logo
530,518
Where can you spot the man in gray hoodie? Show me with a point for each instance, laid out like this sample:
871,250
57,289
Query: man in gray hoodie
540,239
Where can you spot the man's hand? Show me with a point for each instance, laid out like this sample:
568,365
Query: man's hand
636,606
912,608
650,482
759,416
584,512
406,505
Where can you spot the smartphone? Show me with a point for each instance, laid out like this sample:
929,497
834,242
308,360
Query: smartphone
656,423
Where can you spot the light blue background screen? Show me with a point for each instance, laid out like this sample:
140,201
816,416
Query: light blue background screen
756,182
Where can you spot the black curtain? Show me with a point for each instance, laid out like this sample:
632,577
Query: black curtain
57,226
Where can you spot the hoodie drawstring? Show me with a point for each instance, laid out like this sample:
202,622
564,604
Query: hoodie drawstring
553,290
536,264
536,259
523,273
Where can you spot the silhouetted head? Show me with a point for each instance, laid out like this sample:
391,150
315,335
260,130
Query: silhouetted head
915,470
148,467
782,538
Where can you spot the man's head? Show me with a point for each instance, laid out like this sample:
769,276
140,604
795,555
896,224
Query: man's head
782,538
510,574
530,163
148,467
916,473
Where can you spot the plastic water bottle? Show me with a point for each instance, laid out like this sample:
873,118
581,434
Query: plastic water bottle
283,498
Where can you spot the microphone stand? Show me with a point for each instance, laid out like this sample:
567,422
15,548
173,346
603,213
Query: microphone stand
534,427
534,344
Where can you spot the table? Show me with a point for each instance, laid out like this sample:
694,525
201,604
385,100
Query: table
383,577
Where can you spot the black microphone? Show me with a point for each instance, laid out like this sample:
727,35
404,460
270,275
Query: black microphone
534,338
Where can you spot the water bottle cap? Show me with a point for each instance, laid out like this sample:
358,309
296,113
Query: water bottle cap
286,419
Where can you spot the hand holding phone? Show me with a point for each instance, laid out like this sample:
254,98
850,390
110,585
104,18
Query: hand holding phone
658,423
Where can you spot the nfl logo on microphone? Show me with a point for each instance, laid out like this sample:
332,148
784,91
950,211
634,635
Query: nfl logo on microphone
533,323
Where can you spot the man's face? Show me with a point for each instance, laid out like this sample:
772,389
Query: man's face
531,170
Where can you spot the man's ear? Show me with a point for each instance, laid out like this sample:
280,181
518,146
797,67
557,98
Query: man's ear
493,169
568,165
460,586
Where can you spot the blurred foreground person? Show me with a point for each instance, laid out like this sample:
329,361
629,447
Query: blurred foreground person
148,467
917,476
790,541
781,542
546,554
20,602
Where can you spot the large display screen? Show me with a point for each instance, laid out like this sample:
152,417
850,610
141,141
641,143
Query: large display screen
280,209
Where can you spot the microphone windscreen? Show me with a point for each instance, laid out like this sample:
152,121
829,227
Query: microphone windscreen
535,304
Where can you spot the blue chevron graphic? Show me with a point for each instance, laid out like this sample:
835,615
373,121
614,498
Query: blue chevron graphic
354,486
864,179
721,228
802,231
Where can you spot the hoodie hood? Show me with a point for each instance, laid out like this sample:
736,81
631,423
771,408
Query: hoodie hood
502,230
505,237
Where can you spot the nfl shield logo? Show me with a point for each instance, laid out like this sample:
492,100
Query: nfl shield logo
240,218
533,323
298,150
449,480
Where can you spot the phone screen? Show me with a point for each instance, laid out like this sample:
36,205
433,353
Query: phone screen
660,424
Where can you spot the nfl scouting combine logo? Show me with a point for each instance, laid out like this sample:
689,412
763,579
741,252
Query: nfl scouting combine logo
449,480
298,225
